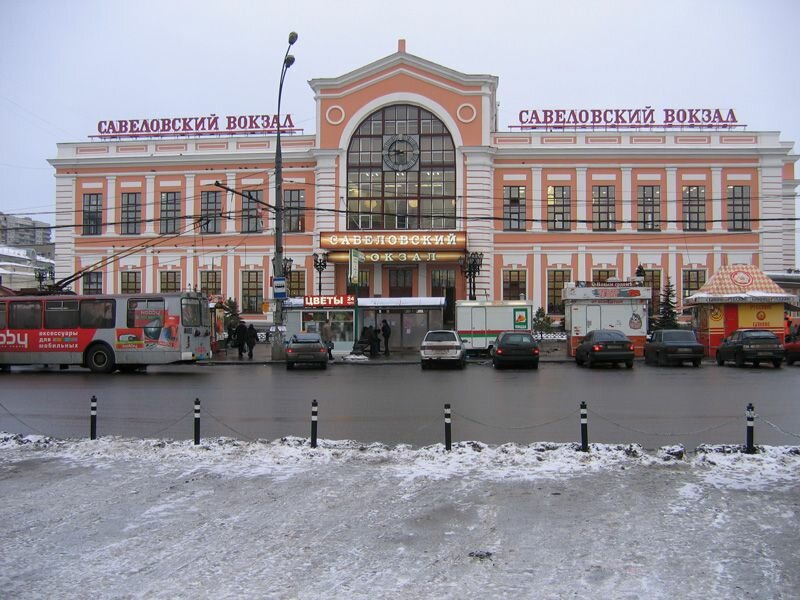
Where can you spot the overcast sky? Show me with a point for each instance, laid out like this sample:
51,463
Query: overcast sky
65,65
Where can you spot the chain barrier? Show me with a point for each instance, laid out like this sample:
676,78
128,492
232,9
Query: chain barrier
160,431
521,427
16,418
789,433
672,434
228,427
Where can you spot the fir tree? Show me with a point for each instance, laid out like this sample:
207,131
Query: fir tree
668,317
542,323
231,309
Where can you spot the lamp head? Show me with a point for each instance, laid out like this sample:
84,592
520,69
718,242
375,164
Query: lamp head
288,61
292,38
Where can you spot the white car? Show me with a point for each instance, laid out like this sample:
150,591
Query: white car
442,346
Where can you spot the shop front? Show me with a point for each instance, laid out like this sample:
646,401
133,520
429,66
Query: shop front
738,297
409,318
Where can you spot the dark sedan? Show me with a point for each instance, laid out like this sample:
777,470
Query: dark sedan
605,346
306,348
673,346
751,345
793,351
515,348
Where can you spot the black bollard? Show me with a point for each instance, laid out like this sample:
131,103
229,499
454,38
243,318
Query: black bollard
314,408
93,418
448,438
584,428
197,421
750,425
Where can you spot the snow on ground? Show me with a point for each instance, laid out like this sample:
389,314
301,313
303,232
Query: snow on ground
123,518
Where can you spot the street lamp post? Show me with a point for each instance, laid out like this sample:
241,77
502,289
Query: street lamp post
471,267
320,264
277,261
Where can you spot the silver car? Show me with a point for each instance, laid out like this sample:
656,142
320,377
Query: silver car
442,346
306,348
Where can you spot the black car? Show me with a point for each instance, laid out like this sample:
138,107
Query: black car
515,348
673,346
751,345
605,346
306,348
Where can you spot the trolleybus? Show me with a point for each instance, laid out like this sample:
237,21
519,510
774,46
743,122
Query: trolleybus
105,332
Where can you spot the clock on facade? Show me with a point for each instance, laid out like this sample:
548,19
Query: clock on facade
401,152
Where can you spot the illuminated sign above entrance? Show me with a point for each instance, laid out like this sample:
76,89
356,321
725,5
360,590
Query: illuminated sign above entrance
409,256
391,241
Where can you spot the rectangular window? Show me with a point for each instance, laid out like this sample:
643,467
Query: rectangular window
92,214
514,287
648,208
25,315
652,279
170,281
170,212
211,283
400,283
739,208
98,314
693,280
131,218
294,211
604,207
694,208
251,211
559,212
130,282
556,280
60,314
210,212
296,283
252,291
602,275
513,208
3,316
93,283
147,313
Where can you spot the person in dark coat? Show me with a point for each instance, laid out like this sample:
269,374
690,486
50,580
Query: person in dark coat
231,341
252,338
241,337
387,332
374,341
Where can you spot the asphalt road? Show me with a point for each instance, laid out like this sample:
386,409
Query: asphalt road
402,404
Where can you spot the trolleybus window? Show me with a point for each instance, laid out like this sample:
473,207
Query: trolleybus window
25,315
98,314
3,319
59,314
144,312
192,313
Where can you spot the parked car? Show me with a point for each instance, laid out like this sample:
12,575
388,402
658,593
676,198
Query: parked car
792,349
442,346
605,346
306,348
515,348
751,345
673,346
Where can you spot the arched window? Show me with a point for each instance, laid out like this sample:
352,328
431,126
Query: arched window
401,172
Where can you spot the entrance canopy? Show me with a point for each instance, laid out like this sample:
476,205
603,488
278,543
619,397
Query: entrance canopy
740,284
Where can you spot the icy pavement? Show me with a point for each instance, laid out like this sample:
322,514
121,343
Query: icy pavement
121,518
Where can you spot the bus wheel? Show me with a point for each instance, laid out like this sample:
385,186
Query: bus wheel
100,359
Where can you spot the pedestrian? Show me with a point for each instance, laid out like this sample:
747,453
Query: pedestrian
327,337
387,332
252,338
240,335
374,341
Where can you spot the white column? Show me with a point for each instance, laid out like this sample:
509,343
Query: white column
538,278
582,263
189,200
231,217
717,194
111,205
147,283
422,280
536,198
149,204
672,199
377,280
64,237
673,272
111,282
580,200
627,200
627,267
191,266
230,281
